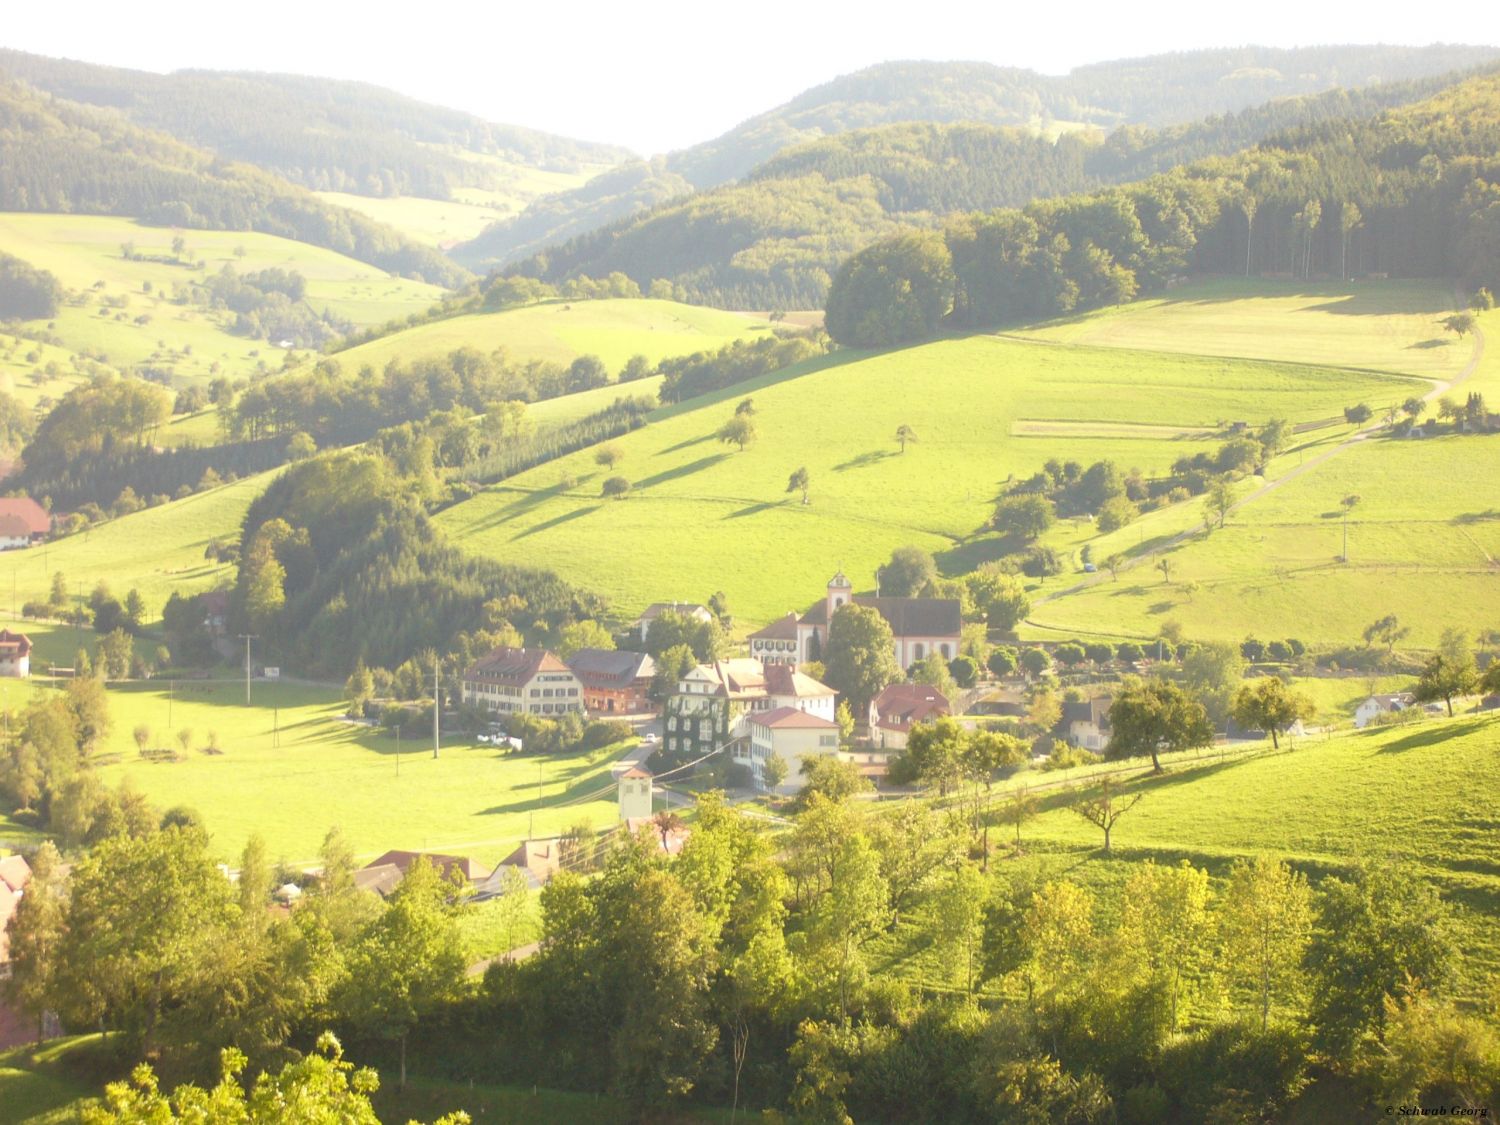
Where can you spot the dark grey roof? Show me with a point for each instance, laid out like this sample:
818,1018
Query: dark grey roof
603,667
907,617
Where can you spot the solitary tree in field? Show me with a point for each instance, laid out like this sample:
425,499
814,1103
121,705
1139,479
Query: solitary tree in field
1388,630
1150,716
1358,414
745,409
1460,324
1112,564
616,488
739,430
905,434
1164,564
609,455
1413,408
1348,503
1020,807
1103,807
1270,706
798,481
1447,674
1220,500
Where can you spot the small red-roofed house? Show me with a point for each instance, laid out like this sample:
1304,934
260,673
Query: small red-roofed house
899,708
15,655
22,522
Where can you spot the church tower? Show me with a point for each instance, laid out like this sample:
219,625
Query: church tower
840,593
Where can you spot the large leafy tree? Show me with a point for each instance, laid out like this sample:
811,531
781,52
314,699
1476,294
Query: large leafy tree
1264,928
1271,706
892,293
1150,716
860,656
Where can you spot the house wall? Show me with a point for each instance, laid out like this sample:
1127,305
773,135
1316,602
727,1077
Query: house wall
911,649
776,652
631,700
795,746
823,706
11,542
635,797
546,694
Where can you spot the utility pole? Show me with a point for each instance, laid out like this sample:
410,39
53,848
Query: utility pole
437,701
247,638
171,691
398,749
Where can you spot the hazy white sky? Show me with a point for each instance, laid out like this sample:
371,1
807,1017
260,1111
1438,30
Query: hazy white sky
663,74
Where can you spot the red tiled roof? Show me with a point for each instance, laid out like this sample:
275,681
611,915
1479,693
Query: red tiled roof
784,629
900,705
32,514
14,644
611,668
789,718
636,771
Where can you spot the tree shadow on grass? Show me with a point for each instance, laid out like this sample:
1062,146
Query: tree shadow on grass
754,509
685,444
1430,734
682,470
1478,517
1423,345
865,460
555,521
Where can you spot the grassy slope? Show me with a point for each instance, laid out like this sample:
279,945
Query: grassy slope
1422,541
613,330
704,518
1323,803
83,250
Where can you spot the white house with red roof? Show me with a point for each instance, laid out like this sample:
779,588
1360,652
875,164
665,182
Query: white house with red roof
22,522
797,737
15,655
900,707
530,681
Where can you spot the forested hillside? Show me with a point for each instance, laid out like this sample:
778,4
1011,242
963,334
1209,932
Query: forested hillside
775,238
63,156
323,134
1161,90
1407,194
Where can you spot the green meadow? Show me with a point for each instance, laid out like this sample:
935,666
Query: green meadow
436,222
290,767
105,318
705,517
561,331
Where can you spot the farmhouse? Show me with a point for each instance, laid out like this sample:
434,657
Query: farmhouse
1377,705
537,860
614,681
401,861
796,737
22,522
712,701
528,681
1086,722
921,626
15,654
900,707
15,873
642,624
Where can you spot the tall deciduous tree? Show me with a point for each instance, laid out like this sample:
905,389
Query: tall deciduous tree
1104,806
1264,928
1271,706
905,435
860,656
1150,716
798,482
1165,926
37,932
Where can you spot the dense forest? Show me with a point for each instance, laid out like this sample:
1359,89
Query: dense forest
1161,91
320,133
1409,193
775,239
27,293
63,156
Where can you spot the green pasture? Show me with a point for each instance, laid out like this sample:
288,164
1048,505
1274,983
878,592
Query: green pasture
705,517
561,331
84,251
436,222
1424,794
1387,325
471,800
156,550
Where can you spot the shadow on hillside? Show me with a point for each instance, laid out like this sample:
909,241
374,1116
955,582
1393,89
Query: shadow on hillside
681,470
1383,301
1424,345
524,504
754,509
1478,517
555,521
971,554
1431,735
865,460
685,444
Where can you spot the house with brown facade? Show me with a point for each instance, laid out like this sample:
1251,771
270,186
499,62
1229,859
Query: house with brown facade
614,681
525,681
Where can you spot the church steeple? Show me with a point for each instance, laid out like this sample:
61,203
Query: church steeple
840,593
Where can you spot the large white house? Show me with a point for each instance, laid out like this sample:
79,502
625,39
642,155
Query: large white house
713,701
528,681
1377,705
796,737
920,626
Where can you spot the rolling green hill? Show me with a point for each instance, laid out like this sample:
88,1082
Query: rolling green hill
703,517
318,132
1163,92
113,320
613,330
